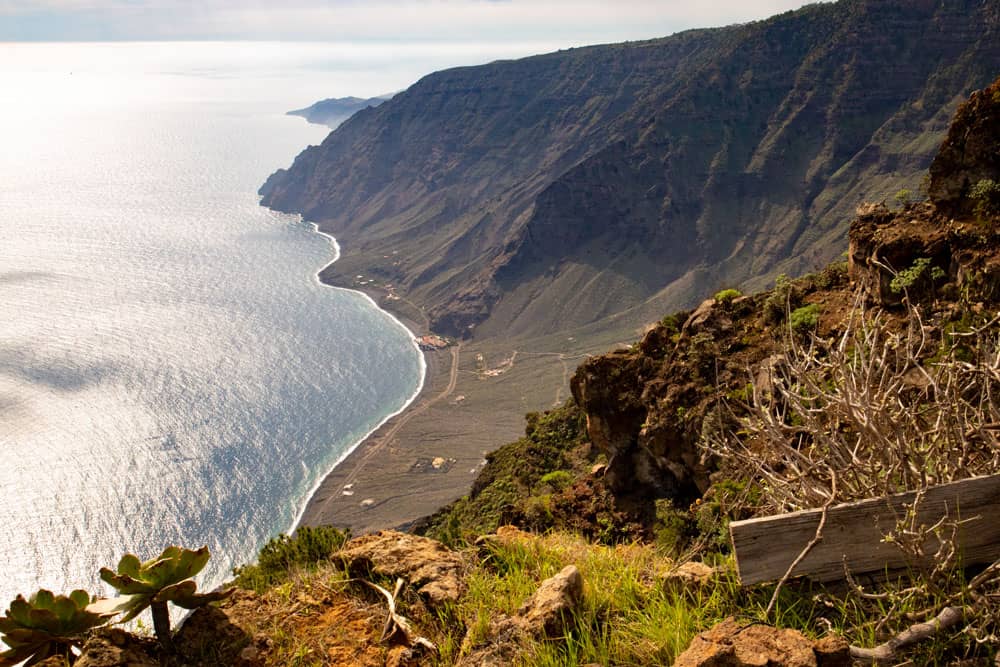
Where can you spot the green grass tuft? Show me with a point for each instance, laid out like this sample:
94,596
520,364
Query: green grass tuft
283,554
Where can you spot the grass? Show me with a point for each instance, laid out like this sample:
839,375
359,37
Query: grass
628,616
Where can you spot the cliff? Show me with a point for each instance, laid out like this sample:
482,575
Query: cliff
596,187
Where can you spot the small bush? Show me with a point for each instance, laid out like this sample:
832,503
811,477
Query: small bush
834,275
726,296
986,195
784,297
537,511
671,323
557,479
673,529
804,319
908,278
282,554
904,197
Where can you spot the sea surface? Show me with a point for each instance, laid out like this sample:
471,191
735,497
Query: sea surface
171,370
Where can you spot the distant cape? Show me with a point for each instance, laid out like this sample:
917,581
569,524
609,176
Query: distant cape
335,110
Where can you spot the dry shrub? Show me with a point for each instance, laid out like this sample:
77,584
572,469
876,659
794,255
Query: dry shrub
891,405
886,407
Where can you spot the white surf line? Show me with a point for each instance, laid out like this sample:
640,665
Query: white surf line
420,385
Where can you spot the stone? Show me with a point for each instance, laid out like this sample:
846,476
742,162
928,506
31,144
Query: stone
732,643
402,656
832,651
689,575
545,613
428,565
709,317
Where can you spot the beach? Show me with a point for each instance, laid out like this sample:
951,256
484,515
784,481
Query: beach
428,455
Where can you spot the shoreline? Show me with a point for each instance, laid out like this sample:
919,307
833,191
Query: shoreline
319,508
428,369
472,399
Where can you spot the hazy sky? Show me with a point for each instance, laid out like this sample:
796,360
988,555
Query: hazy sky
553,22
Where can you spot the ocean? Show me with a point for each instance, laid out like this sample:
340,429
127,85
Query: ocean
171,370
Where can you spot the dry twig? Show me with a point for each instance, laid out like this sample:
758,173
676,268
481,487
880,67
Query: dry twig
888,652
397,622
817,538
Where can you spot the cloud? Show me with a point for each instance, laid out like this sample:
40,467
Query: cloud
570,22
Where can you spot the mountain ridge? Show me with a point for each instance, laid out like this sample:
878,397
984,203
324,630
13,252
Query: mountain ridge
542,194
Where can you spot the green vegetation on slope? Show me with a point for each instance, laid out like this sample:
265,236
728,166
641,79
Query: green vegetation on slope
516,477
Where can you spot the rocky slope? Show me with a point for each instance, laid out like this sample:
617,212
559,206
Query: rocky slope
597,185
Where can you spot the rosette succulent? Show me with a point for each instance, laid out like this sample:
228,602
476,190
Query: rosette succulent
154,583
45,625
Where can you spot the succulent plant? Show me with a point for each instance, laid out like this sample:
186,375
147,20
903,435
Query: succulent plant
45,625
154,583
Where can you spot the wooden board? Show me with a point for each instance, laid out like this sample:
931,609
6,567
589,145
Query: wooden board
767,546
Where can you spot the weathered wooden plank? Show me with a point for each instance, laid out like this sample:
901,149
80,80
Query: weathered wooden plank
767,546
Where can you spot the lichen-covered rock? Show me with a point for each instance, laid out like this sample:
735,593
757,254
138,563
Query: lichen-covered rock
735,644
434,569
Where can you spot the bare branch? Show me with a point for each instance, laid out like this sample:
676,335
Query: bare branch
888,652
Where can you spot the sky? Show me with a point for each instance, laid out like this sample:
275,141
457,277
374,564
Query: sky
561,23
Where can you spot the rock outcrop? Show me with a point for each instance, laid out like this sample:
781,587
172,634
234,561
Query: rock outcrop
735,644
336,110
434,569
970,154
589,188
648,406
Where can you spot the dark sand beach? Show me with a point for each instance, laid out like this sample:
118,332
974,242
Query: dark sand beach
428,455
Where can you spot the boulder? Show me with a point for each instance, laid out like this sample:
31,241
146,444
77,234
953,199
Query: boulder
689,575
709,317
545,613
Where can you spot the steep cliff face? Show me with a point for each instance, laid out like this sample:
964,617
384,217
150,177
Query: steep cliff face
533,196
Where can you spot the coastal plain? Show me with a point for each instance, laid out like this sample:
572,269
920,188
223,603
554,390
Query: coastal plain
475,395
